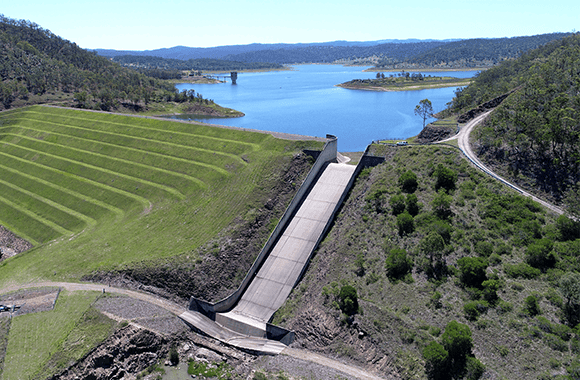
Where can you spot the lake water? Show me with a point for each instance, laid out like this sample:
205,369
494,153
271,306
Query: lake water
306,101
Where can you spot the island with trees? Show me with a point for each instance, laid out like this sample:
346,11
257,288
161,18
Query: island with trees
404,81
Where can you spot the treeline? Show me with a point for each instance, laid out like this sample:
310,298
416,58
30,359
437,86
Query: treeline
329,54
473,53
536,130
177,65
35,62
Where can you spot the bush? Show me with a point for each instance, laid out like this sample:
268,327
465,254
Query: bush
348,300
539,254
398,264
568,228
484,248
474,368
457,340
413,205
531,305
441,205
521,270
408,182
490,288
405,224
397,203
472,271
444,178
473,309
173,356
436,361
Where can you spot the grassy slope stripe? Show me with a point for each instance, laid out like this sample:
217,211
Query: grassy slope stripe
92,208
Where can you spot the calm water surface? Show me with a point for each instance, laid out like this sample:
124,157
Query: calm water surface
305,101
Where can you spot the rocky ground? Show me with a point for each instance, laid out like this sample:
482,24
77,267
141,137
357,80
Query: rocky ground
11,244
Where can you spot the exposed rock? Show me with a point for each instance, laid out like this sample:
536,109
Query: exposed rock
128,351
433,133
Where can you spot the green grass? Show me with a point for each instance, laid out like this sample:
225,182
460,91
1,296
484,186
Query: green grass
100,191
41,343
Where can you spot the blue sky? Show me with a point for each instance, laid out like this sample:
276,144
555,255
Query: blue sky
146,24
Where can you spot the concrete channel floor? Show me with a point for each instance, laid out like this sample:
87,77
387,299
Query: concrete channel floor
274,281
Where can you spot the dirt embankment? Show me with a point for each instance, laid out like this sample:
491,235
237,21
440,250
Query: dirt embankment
224,261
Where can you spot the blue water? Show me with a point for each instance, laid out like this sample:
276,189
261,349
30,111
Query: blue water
305,101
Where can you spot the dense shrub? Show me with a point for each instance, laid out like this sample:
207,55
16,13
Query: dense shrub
521,270
474,368
473,309
436,361
472,270
441,205
445,178
405,224
348,300
408,182
413,205
484,248
531,305
568,228
397,203
398,264
540,255
457,340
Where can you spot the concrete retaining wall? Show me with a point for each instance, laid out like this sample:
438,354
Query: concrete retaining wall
328,154
365,162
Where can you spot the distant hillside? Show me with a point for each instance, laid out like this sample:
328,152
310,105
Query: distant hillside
474,52
533,135
219,52
200,64
38,67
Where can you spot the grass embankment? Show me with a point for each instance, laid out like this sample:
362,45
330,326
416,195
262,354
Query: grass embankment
99,191
41,343
407,304
404,84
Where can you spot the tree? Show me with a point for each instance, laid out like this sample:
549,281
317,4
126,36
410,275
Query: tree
397,203
397,263
424,110
444,178
457,341
408,181
441,205
436,361
472,271
348,300
570,289
405,223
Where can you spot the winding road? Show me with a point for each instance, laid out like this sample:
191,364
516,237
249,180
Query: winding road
463,141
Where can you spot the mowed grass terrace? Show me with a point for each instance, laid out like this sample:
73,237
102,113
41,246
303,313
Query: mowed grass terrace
98,191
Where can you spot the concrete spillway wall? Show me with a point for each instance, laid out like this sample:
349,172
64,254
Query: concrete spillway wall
327,155
219,311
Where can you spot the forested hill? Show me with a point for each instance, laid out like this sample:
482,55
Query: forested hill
332,54
534,135
473,52
201,64
37,66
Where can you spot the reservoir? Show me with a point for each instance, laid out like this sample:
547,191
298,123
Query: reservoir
306,101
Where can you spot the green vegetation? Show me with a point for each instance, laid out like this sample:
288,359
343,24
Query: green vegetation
465,260
214,370
41,344
100,183
167,68
38,67
472,53
531,138
405,81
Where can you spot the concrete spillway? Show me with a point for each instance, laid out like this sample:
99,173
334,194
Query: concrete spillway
282,269
242,319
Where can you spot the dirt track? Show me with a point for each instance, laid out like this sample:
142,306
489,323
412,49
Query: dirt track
463,141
